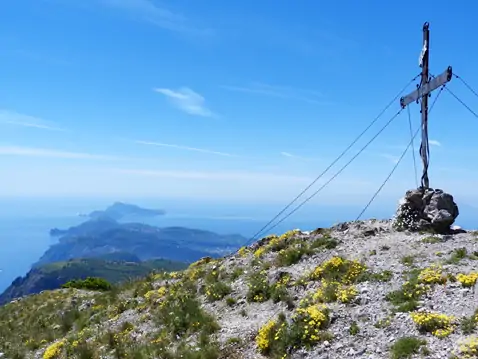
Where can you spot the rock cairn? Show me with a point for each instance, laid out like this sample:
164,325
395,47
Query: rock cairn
426,210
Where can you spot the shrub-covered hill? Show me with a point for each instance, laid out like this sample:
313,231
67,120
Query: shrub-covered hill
53,275
357,290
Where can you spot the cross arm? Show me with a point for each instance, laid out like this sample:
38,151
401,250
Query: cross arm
431,85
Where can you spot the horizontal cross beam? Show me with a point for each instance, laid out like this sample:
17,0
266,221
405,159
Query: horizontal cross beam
431,85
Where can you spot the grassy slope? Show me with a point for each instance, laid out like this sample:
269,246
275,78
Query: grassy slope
53,275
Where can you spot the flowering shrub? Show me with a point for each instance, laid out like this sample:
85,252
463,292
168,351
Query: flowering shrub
306,325
469,347
181,314
54,350
467,280
201,262
306,329
333,291
279,292
432,275
259,252
276,243
338,269
156,294
243,251
195,273
217,291
419,282
440,325
259,288
270,337
346,294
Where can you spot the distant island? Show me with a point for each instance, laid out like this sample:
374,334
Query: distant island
116,212
105,236
120,210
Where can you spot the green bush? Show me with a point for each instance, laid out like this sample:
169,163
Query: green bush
457,255
217,291
324,242
406,347
406,298
90,283
354,328
290,256
181,314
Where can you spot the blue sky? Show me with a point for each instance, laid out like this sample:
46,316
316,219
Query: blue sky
240,101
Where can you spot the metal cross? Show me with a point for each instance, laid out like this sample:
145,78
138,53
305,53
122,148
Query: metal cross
423,91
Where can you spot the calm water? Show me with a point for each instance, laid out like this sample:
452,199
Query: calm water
23,240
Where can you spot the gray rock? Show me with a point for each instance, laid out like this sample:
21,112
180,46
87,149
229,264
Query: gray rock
429,209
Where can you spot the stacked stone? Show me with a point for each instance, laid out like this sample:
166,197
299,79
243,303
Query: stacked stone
426,210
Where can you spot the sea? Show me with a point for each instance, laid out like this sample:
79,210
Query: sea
25,223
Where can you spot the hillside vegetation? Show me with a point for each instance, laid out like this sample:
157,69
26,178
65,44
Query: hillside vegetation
53,275
357,290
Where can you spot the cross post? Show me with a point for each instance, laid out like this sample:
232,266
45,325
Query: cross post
422,93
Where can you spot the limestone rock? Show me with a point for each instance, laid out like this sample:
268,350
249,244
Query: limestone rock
426,209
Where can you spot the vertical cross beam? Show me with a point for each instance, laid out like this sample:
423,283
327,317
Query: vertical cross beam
424,148
423,92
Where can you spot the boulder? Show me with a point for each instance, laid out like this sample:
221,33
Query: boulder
426,210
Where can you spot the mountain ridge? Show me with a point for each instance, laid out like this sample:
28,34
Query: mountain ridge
102,236
120,210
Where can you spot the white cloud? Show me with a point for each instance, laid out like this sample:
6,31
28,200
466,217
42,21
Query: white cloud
42,152
290,155
279,91
149,11
186,100
434,143
18,119
159,144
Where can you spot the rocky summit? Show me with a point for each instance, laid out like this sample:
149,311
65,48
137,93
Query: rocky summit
356,290
426,209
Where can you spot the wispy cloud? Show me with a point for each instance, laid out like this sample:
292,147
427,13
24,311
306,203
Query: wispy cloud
290,155
186,100
417,143
279,91
287,154
391,158
195,149
18,119
149,11
213,175
43,152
